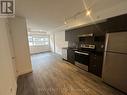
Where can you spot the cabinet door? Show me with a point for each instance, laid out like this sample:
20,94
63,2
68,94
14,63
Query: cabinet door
71,56
67,34
99,63
64,54
71,36
117,24
95,66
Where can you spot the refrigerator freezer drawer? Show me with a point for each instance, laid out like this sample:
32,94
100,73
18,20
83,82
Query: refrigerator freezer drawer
115,70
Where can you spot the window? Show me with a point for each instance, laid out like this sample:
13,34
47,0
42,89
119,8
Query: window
30,40
38,40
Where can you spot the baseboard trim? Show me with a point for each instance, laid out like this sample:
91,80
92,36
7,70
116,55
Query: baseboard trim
25,72
40,52
15,89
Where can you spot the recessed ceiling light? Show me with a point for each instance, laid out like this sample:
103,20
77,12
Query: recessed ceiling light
88,12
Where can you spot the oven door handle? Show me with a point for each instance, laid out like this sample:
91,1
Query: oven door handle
81,53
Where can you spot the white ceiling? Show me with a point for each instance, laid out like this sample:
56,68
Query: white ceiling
49,15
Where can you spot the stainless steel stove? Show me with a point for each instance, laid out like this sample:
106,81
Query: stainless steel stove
82,57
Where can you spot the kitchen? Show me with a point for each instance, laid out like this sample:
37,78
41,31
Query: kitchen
90,35
100,48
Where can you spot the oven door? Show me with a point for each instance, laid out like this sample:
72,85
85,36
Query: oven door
82,60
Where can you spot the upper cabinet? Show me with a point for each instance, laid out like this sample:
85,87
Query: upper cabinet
96,29
114,24
117,24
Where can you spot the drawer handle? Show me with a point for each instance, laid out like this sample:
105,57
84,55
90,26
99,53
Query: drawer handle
81,53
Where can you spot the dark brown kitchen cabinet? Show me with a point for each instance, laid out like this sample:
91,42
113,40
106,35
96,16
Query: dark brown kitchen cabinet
71,56
95,65
117,24
113,24
71,36
67,35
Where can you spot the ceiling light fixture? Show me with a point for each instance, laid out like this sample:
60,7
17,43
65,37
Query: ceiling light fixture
65,22
88,12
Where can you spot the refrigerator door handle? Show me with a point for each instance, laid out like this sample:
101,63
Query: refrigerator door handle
106,42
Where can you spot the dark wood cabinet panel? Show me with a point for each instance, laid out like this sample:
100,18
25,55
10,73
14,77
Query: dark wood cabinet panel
117,24
97,29
95,66
67,35
72,36
114,24
71,56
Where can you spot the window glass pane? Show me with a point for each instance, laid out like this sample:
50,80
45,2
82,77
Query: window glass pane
30,43
46,43
42,43
30,38
46,39
42,39
37,43
38,40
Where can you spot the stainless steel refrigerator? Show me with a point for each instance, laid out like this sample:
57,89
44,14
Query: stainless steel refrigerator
115,61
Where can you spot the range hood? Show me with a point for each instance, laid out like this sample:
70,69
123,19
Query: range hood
86,35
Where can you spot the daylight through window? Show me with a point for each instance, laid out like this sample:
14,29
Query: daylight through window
38,40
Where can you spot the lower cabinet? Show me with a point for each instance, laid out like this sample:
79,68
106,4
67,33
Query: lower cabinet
71,56
95,65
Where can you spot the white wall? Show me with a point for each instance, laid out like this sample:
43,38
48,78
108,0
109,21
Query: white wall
11,46
52,42
60,42
21,48
8,84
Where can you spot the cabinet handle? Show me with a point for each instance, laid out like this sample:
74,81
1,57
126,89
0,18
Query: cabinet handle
82,53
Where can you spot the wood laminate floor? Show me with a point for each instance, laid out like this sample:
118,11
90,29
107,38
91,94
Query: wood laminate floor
53,76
